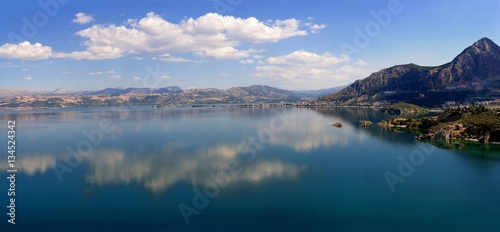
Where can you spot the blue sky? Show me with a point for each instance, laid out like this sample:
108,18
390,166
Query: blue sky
290,44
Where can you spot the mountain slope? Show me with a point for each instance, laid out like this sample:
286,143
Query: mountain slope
474,72
317,93
251,94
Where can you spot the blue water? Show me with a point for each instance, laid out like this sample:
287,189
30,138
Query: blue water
233,169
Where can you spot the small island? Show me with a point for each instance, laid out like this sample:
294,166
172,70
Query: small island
474,123
365,123
337,124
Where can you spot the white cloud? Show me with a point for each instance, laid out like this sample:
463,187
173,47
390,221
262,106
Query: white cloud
170,58
211,35
97,53
360,63
246,61
25,69
102,72
82,18
27,51
29,78
315,28
165,77
225,53
307,70
304,57
137,78
115,76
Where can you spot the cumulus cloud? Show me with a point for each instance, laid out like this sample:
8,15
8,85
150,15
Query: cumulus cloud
308,70
115,76
304,57
360,63
102,72
137,78
28,51
315,28
82,18
249,61
29,78
170,58
165,77
97,53
211,35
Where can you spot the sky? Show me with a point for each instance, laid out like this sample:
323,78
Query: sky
288,44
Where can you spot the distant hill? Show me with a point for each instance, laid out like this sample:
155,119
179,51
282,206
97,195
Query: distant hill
236,95
317,93
473,73
173,95
119,91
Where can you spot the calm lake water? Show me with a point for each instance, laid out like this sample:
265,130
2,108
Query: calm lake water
232,169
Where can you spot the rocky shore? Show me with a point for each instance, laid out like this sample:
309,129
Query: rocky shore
475,123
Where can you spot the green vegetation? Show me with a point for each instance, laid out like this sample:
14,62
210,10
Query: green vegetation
407,107
404,108
476,123
477,116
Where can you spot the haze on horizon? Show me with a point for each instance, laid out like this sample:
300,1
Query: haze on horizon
296,45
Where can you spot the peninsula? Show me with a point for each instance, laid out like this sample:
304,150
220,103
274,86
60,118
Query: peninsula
475,123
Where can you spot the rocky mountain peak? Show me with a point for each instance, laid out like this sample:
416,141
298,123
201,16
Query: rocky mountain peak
481,60
485,45
475,70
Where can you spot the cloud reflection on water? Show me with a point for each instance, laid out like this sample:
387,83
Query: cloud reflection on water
157,165
32,164
158,172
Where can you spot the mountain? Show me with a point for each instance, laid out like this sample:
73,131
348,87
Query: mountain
170,89
236,95
474,73
172,95
119,91
15,92
316,93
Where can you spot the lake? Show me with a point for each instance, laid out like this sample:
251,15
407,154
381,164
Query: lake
236,169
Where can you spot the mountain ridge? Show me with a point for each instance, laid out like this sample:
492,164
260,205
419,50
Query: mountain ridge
471,72
172,95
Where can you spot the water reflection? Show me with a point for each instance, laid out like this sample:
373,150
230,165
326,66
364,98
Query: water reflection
120,113
158,153
157,149
353,115
157,172
309,132
168,155
32,164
